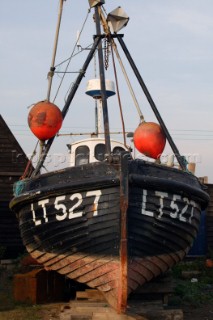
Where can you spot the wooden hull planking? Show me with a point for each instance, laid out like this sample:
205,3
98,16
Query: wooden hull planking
107,235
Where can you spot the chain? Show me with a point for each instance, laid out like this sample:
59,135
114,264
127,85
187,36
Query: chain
106,52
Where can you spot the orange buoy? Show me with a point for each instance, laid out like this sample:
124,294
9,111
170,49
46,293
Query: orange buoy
149,139
45,120
209,263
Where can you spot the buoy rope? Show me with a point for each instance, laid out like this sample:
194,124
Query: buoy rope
96,102
52,67
29,167
118,95
107,31
72,54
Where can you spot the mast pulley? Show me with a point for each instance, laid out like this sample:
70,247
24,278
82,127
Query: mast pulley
94,3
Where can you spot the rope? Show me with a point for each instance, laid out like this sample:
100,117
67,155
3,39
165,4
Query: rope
96,103
72,54
107,31
119,99
29,167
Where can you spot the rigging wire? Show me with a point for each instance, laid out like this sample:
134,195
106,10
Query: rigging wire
180,131
174,136
178,134
73,55
186,132
52,67
70,58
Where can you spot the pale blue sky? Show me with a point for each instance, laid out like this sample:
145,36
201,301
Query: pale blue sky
171,42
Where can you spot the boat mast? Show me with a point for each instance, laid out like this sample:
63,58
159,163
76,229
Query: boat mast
52,67
103,85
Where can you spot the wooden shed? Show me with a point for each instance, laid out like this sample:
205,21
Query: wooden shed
13,162
209,219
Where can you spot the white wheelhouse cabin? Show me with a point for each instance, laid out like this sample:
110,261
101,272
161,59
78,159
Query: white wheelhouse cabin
92,150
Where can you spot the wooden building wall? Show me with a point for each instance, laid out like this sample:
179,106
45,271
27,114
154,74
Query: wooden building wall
209,219
13,162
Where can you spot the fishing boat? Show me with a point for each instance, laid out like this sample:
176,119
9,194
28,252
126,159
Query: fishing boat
109,220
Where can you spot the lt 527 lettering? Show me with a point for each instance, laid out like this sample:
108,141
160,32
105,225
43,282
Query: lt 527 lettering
180,208
64,208
73,206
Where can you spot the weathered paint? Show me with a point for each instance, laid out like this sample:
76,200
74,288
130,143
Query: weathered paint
122,226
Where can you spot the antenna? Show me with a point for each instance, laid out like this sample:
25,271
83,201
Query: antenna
78,40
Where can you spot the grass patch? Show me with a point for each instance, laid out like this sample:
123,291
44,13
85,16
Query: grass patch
6,292
195,290
23,313
194,294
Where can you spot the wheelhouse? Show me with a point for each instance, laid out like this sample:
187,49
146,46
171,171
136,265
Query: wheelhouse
92,150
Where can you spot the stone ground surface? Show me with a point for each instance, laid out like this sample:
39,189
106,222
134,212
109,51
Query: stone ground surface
53,312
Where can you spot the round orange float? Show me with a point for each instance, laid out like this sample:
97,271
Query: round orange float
149,139
45,120
209,263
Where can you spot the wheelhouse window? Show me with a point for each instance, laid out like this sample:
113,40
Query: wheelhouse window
82,155
100,150
118,150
